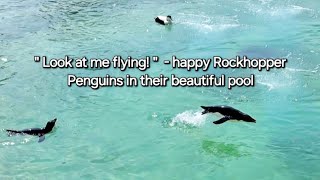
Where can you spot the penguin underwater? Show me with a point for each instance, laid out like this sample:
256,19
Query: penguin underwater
229,113
35,131
163,20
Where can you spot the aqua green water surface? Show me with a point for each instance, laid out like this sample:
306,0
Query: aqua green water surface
159,133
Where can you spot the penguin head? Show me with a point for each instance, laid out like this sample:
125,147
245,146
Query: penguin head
50,125
248,118
206,110
169,18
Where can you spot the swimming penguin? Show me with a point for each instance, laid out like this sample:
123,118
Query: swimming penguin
229,113
35,131
164,20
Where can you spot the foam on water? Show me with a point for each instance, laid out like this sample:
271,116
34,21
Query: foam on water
282,79
270,85
7,143
3,59
268,9
302,70
189,118
15,139
202,27
206,24
290,10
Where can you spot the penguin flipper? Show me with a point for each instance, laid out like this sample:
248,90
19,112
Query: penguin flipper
41,138
222,120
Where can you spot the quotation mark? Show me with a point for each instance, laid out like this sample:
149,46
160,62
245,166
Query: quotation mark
37,58
155,58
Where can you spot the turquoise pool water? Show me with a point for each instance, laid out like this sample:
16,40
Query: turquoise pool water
158,133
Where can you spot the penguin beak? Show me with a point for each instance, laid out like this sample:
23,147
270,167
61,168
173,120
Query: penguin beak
252,120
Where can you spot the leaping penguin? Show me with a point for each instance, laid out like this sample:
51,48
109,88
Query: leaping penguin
229,113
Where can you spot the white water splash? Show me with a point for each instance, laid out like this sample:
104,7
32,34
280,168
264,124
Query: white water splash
265,7
301,70
281,79
7,143
205,24
291,10
269,85
203,27
4,59
191,118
